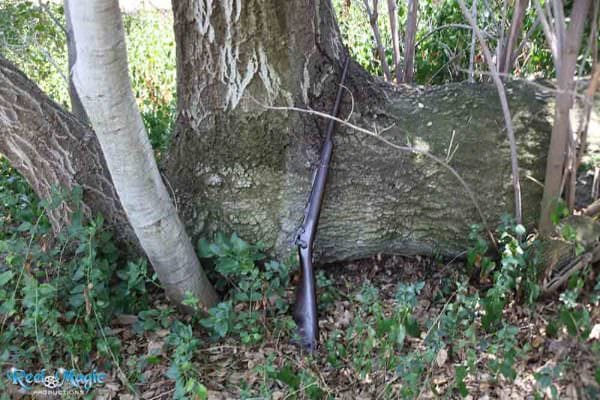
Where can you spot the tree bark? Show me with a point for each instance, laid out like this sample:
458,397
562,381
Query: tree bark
393,13
238,166
409,44
102,81
561,129
76,106
508,55
51,148
373,15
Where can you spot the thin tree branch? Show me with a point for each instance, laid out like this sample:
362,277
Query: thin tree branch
373,16
505,111
473,40
409,43
447,26
549,33
516,27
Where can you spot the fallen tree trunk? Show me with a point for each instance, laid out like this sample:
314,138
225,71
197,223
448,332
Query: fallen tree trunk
51,148
256,181
238,166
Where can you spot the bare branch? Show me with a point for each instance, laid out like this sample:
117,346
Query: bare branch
473,40
373,16
447,26
549,33
516,26
505,111
561,142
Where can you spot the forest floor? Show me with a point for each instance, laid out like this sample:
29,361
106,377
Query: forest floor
545,365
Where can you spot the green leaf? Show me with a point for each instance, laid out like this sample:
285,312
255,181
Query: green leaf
461,374
204,250
401,336
552,329
5,277
201,391
25,226
520,230
567,318
289,377
412,327
238,244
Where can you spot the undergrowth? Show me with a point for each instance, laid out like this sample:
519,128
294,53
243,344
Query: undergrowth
59,296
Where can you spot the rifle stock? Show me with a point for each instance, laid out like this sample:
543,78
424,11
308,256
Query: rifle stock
305,310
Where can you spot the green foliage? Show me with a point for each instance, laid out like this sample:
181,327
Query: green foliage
183,344
33,38
517,273
443,49
559,211
151,53
58,293
30,37
257,288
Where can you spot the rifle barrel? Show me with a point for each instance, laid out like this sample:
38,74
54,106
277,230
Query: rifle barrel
305,311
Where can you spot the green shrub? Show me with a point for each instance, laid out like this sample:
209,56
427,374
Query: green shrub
257,288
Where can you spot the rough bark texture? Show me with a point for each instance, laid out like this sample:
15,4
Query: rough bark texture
51,148
237,166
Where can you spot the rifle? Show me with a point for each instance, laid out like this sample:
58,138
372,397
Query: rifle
305,311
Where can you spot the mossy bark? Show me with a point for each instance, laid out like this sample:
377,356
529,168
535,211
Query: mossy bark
238,166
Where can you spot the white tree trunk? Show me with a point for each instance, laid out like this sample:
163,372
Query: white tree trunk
102,81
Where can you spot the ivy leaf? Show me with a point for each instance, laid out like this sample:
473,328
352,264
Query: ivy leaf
5,277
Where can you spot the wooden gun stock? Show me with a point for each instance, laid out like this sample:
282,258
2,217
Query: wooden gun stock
305,311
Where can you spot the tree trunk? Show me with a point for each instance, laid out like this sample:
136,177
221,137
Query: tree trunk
76,106
237,166
409,44
52,148
102,81
508,55
393,13
373,14
561,129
